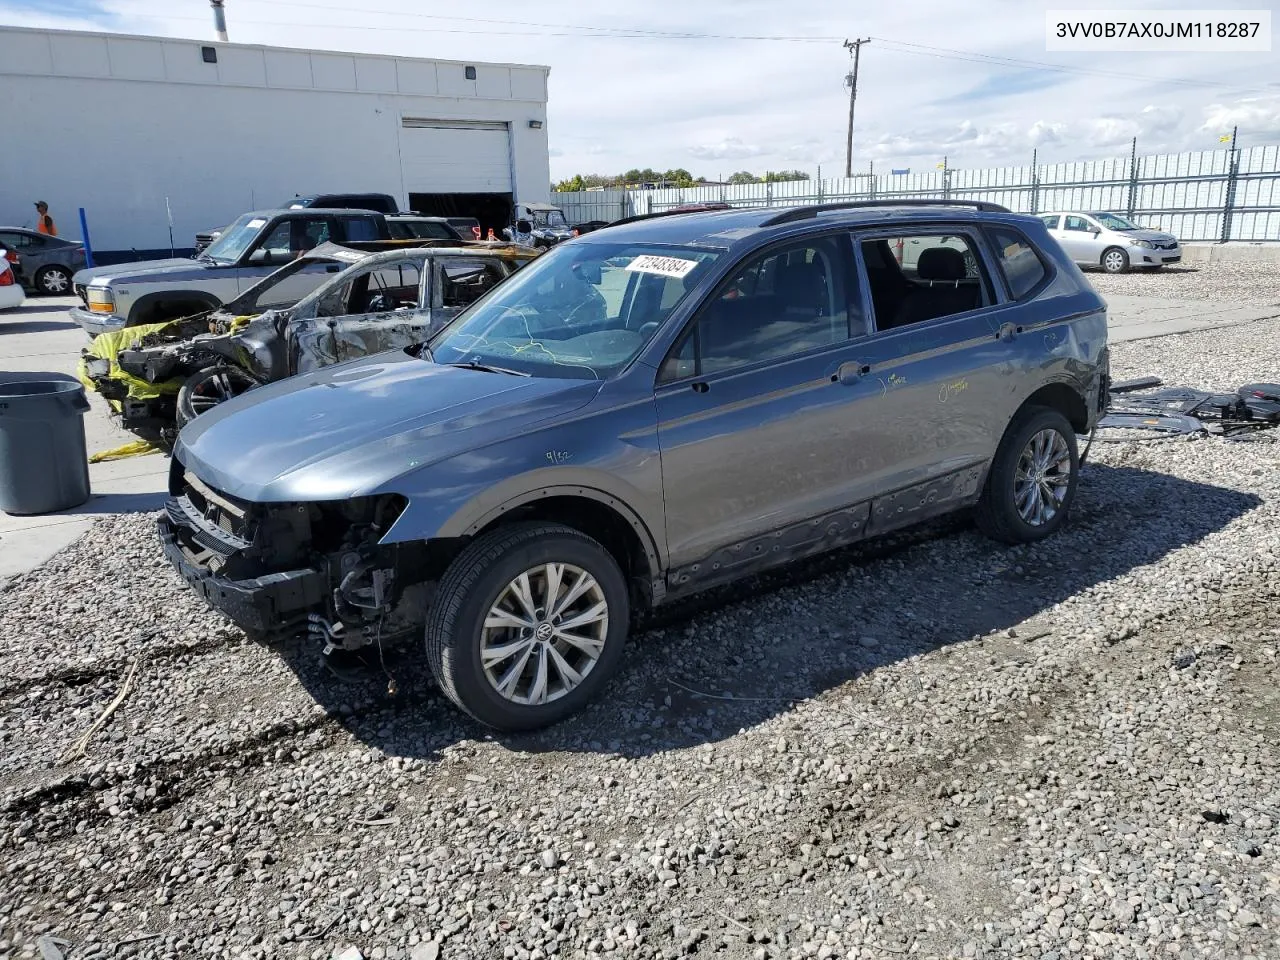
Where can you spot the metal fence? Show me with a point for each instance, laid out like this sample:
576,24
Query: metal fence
1214,195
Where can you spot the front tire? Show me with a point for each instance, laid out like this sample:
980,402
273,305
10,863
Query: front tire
528,625
1115,260
1032,481
204,390
53,280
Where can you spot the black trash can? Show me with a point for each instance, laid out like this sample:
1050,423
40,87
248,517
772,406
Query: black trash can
43,463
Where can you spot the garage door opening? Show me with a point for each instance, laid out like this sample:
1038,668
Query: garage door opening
491,209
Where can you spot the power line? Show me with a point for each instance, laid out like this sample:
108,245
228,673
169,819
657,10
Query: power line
614,31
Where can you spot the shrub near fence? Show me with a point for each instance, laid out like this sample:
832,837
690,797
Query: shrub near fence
1214,195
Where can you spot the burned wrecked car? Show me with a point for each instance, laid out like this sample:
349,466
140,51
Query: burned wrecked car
668,405
172,372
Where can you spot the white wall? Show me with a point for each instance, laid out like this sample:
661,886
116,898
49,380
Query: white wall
115,124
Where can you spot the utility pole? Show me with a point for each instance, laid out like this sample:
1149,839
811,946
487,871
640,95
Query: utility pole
851,81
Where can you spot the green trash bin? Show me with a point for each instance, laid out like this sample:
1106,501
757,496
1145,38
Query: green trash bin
43,463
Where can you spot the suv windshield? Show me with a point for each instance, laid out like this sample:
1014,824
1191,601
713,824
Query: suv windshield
549,218
1114,221
229,247
582,310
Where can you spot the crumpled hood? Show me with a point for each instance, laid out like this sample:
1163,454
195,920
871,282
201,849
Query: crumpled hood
352,429
121,272
1152,235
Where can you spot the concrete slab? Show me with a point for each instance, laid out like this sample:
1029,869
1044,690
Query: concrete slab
1140,318
37,341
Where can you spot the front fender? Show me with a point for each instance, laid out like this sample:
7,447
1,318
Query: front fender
441,517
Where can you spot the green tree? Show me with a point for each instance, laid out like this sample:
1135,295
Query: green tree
574,183
780,176
744,176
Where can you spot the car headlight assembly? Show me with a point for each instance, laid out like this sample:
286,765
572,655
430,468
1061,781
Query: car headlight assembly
100,301
1145,244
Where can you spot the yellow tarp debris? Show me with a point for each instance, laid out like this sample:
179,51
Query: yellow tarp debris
137,448
107,346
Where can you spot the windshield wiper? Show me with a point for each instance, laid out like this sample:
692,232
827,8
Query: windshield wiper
487,368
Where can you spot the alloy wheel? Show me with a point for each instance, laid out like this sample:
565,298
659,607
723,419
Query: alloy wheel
1043,477
216,389
1114,261
544,633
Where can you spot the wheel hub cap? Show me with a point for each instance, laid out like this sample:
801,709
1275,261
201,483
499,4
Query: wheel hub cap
1043,477
544,633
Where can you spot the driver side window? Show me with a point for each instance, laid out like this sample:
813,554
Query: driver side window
787,302
276,244
1079,223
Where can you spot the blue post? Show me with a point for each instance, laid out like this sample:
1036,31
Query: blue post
84,232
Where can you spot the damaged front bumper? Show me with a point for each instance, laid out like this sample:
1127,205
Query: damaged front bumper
266,605
279,570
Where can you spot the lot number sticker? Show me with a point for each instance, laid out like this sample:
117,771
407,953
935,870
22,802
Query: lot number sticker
663,266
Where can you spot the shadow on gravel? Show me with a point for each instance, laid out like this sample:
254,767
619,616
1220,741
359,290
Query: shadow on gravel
705,668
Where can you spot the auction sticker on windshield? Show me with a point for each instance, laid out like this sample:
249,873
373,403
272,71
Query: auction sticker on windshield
663,266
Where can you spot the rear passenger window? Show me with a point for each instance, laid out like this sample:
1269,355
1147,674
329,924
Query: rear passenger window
363,229
784,303
923,277
1021,264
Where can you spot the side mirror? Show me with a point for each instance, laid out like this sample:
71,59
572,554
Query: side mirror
260,256
1095,230
524,226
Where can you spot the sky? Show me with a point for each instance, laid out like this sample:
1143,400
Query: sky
967,80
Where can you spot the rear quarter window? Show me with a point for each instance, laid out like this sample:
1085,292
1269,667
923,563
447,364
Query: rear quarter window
361,229
1019,262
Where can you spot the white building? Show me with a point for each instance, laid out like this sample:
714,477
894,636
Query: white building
119,125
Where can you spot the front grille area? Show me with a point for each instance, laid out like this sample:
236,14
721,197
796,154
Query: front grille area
1171,245
226,513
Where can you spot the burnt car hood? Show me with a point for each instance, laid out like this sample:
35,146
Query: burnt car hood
352,429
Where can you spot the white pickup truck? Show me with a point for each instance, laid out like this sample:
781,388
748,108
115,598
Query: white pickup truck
258,243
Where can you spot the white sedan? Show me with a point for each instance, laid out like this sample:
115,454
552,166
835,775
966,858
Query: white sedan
11,294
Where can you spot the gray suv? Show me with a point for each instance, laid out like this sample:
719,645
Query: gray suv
667,404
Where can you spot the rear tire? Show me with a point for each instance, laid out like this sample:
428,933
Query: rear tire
1032,481
1115,260
53,280
495,635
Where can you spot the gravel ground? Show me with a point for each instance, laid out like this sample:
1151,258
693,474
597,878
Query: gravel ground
931,747
1245,283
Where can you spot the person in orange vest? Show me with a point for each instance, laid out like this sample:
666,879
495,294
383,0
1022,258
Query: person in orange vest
45,222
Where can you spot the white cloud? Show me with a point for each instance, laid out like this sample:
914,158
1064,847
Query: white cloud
1044,132
730,148
1258,118
707,104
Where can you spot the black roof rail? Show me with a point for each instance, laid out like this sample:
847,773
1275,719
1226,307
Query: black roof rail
660,213
805,213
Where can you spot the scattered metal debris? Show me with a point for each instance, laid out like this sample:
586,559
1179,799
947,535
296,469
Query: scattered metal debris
1146,405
